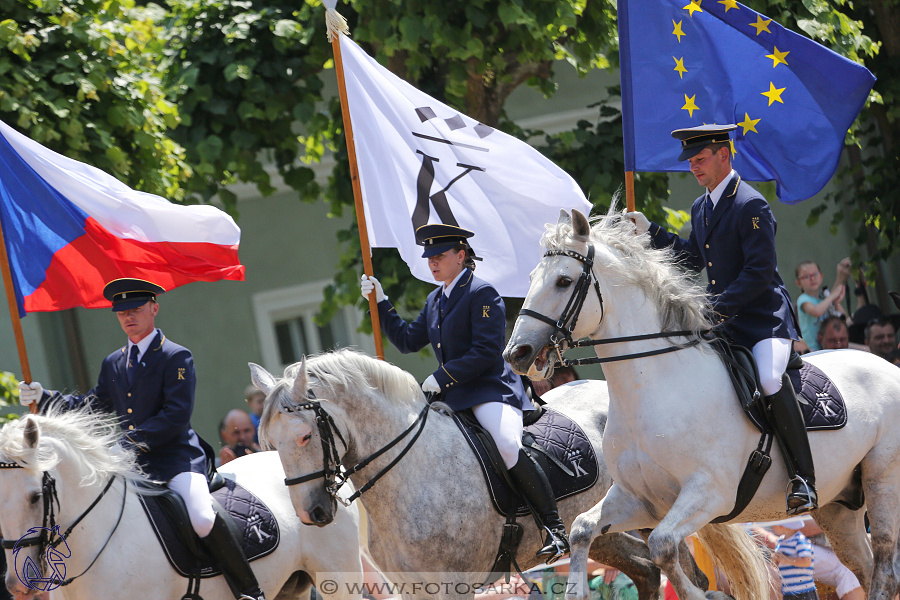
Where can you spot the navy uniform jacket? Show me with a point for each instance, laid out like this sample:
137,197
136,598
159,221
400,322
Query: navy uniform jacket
468,342
154,411
738,251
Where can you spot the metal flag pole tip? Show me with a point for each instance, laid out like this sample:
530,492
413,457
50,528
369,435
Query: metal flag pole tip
334,21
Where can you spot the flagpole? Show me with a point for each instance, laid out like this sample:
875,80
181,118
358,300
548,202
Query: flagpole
357,191
14,314
629,191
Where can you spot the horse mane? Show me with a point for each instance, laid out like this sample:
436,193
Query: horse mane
340,372
680,301
82,435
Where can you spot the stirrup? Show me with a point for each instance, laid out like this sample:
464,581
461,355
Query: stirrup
556,548
810,501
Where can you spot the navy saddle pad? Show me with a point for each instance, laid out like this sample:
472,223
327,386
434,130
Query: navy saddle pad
562,442
256,521
824,406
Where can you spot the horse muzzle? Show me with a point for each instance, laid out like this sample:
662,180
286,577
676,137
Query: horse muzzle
526,359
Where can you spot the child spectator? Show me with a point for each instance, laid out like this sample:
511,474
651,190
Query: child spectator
816,304
794,557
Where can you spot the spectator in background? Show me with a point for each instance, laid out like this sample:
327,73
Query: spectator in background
237,431
794,556
561,375
881,337
816,303
255,400
833,334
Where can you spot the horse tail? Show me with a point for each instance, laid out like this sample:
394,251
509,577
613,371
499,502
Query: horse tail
740,559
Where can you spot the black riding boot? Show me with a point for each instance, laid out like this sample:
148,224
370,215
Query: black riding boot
532,482
790,431
223,545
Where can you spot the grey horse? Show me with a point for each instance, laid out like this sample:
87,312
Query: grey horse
431,513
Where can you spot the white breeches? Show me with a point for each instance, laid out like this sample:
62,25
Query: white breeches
830,570
194,488
772,357
504,423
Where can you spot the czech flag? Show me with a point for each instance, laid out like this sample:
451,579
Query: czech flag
70,228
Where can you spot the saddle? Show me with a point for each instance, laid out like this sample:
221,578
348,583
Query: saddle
555,441
820,401
169,519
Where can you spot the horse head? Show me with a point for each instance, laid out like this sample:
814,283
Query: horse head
308,438
563,302
22,498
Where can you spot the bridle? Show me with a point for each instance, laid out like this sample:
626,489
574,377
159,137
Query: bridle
561,338
50,536
333,469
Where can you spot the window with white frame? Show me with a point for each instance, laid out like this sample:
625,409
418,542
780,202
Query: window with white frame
285,320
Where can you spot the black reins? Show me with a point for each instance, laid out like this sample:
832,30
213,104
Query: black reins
333,469
49,538
565,325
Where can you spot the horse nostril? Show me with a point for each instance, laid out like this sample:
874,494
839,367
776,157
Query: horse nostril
523,351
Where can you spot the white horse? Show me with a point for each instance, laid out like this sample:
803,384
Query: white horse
112,551
431,513
677,442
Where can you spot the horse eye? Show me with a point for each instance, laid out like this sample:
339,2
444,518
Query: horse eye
563,282
307,437
310,394
35,497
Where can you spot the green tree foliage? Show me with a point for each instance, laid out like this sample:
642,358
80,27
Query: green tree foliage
247,77
9,395
79,76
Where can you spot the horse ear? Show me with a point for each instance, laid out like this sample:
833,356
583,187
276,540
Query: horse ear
564,218
300,383
580,224
32,432
261,378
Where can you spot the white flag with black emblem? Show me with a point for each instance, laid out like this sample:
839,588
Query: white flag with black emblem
421,162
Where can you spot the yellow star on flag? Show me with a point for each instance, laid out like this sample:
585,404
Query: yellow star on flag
679,66
677,32
689,104
778,57
694,6
749,124
773,94
733,151
760,25
729,4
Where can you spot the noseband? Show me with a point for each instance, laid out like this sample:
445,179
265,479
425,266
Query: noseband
333,469
565,325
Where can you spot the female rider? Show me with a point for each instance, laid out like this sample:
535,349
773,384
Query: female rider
465,322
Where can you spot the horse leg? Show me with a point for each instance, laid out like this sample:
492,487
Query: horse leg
688,564
881,482
618,509
688,514
846,531
629,555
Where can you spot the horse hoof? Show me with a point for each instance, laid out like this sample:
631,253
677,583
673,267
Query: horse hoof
718,596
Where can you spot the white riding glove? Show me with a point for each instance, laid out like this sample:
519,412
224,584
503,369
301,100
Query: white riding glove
431,385
367,284
30,392
640,221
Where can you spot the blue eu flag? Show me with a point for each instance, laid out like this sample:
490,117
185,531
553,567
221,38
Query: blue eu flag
692,62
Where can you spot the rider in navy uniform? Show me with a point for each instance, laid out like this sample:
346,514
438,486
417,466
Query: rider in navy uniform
149,383
733,238
464,320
